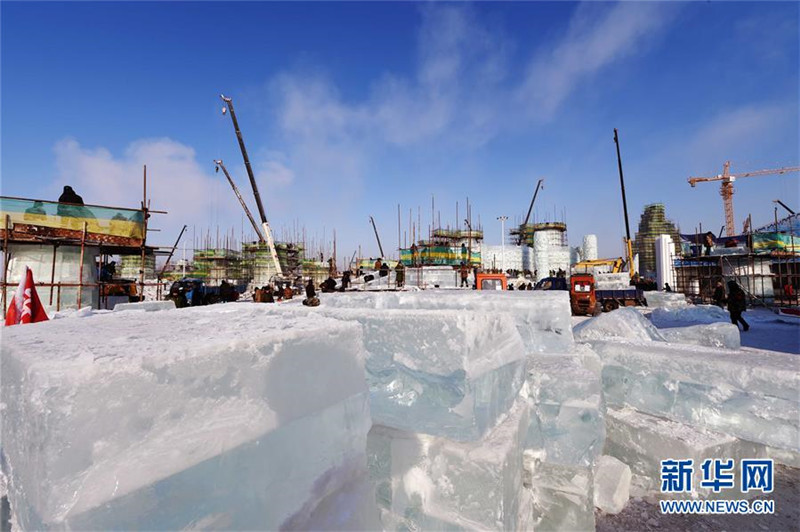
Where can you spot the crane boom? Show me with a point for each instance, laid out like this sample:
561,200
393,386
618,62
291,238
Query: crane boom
264,223
219,164
726,187
380,247
522,234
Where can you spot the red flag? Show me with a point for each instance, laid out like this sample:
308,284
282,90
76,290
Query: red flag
25,307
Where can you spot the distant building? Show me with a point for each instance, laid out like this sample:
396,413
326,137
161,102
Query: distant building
652,224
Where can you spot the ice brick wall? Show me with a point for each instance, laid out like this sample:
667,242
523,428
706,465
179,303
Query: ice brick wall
198,416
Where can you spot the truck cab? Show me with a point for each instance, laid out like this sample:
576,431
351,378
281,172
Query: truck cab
582,294
491,281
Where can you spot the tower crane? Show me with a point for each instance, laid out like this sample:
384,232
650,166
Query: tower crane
726,187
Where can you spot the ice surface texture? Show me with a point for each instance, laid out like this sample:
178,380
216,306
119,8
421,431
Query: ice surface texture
690,315
544,319
612,484
434,483
208,415
567,420
445,372
752,395
642,441
665,299
724,335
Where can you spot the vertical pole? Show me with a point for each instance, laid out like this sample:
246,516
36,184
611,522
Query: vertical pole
5,262
53,273
80,267
144,233
399,242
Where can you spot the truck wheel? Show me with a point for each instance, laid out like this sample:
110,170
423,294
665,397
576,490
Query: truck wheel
610,305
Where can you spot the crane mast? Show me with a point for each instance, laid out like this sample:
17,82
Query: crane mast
264,224
523,231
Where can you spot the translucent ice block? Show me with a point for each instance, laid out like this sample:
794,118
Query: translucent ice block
612,484
164,420
440,372
752,395
627,323
666,299
691,315
433,483
568,409
543,318
563,496
724,335
642,441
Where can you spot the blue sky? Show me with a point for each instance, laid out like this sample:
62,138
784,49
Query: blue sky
351,108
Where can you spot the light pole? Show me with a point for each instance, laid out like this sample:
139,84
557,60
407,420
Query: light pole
502,220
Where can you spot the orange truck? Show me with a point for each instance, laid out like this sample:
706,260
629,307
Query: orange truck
586,300
491,281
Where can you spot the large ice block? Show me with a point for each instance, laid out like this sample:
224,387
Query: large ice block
440,372
665,299
612,484
753,395
567,419
543,318
147,306
563,496
434,483
626,323
690,315
723,335
642,441
209,417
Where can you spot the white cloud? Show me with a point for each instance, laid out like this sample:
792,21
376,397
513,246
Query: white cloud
176,182
597,37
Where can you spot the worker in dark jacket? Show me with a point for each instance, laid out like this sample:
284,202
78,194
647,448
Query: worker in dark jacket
69,196
719,295
384,270
345,280
310,290
737,303
400,275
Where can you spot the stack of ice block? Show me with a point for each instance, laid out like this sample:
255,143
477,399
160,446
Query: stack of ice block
613,281
750,395
565,437
208,418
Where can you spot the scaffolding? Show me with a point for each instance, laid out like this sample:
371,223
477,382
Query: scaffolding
652,224
68,243
214,265
767,267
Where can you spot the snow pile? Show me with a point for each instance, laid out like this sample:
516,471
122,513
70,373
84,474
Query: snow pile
208,417
543,319
666,300
642,441
722,335
751,395
612,281
623,323
612,484
690,315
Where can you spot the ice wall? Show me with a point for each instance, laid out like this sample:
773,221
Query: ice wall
722,335
688,315
196,417
666,299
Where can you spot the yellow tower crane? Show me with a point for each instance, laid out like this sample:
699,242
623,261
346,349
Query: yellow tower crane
726,188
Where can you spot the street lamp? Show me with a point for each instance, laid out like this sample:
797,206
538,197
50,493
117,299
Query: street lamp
502,220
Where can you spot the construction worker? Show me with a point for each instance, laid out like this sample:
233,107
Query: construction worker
400,275
345,280
667,287
378,264
708,242
737,303
464,275
287,291
414,255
